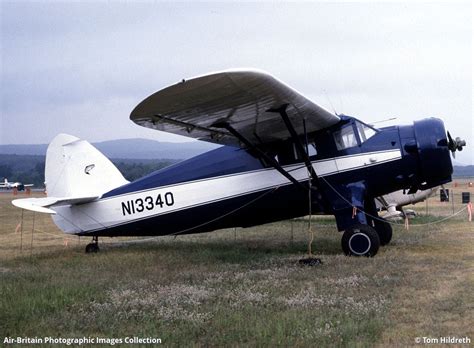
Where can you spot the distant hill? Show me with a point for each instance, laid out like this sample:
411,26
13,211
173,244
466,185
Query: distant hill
126,149
463,171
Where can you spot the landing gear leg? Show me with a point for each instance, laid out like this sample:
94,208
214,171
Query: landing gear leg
381,226
94,246
384,230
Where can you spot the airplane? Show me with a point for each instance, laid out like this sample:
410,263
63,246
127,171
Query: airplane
11,185
283,156
394,202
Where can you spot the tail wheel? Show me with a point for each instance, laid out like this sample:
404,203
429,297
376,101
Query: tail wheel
92,248
360,240
384,230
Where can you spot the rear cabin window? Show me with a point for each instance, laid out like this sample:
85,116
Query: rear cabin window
312,151
345,138
288,153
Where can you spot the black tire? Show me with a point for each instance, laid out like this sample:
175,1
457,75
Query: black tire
384,230
92,248
360,240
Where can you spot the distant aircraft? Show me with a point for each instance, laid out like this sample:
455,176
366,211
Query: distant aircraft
11,185
394,202
284,157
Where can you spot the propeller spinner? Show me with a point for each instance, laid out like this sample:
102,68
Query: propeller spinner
456,144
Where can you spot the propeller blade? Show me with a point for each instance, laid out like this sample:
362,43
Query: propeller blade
451,144
450,137
455,144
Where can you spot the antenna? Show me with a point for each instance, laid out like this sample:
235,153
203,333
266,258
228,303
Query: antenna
341,104
329,100
386,120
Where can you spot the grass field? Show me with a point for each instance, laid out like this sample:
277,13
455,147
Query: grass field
241,287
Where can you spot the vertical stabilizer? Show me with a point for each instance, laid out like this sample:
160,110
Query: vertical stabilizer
74,168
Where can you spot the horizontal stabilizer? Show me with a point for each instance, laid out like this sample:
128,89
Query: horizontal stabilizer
41,205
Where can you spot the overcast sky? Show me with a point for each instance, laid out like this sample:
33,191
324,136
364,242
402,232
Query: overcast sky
80,68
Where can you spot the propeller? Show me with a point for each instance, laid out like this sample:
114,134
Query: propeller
456,144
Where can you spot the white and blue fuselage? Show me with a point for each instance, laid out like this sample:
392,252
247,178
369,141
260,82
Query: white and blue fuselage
228,187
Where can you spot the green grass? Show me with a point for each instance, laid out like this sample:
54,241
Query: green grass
242,287
222,292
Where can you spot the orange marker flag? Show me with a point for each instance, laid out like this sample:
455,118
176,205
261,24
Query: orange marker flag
469,210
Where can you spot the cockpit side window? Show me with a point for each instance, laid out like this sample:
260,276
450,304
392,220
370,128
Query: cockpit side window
312,150
345,137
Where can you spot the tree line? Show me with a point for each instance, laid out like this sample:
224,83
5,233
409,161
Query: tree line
29,169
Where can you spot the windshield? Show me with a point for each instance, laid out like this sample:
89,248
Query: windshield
346,137
365,132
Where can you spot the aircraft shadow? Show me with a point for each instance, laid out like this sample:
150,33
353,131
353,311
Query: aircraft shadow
234,251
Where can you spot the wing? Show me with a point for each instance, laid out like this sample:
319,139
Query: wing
194,107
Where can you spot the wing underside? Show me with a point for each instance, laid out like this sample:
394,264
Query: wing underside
241,99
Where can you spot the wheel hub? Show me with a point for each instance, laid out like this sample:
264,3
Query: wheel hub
359,243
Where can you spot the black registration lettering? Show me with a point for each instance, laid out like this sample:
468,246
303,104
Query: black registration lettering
139,203
126,209
159,202
149,203
169,199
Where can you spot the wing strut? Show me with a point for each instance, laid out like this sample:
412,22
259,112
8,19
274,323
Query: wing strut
303,151
262,154
299,146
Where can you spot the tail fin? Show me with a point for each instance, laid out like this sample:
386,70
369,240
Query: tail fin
74,168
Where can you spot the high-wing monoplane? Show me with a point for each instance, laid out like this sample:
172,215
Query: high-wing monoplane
283,157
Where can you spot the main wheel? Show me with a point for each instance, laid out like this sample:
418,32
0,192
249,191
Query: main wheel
360,240
384,230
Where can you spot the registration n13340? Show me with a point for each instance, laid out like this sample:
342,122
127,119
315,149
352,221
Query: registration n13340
149,203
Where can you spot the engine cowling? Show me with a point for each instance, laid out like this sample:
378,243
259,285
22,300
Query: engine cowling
434,159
